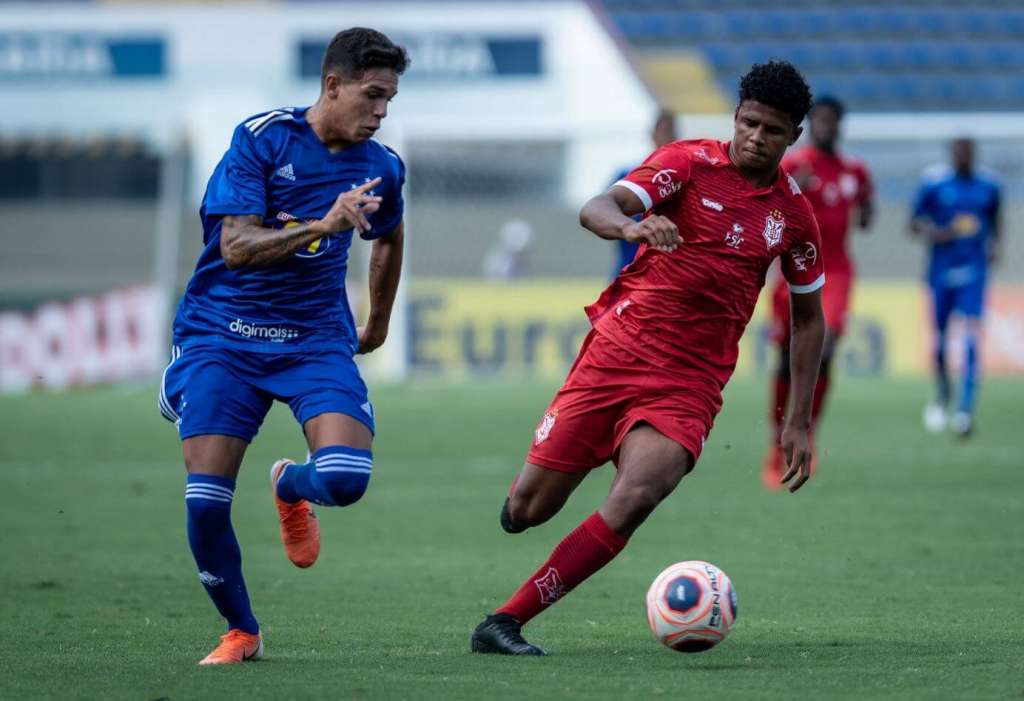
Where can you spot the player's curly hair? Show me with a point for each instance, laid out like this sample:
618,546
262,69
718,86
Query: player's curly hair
353,51
780,85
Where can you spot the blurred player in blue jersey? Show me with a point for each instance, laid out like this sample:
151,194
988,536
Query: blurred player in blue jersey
265,315
956,212
664,132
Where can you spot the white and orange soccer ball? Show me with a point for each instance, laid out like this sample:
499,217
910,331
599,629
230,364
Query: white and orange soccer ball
691,606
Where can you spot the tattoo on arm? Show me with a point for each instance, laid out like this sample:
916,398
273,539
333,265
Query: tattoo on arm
385,269
244,243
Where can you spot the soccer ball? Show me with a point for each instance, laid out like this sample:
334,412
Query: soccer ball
691,606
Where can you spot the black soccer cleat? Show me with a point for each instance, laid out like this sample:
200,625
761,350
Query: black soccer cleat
500,634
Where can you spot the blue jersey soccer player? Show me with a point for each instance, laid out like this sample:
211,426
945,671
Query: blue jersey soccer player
265,315
957,213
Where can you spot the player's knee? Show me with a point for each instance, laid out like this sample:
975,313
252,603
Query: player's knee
345,488
634,503
521,512
508,524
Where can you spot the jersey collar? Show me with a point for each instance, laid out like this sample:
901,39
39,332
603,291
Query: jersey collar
777,184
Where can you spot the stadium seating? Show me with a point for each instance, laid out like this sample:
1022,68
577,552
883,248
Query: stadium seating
923,54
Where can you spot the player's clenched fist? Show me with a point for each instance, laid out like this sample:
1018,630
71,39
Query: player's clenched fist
351,209
655,230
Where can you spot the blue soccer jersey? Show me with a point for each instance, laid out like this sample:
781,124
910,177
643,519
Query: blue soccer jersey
968,206
277,168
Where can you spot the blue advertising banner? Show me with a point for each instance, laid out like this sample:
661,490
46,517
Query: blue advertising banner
80,55
449,56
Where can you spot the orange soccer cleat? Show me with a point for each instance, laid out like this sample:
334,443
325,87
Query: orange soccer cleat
300,532
772,468
236,646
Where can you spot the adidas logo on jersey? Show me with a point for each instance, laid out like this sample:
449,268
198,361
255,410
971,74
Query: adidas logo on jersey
286,172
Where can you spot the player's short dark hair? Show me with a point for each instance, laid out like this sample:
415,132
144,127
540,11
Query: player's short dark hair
832,102
353,51
780,85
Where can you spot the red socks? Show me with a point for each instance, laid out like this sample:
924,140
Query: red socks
582,553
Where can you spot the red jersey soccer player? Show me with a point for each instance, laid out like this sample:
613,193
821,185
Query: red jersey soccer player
837,187
647,383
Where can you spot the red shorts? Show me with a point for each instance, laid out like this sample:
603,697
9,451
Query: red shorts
608,392
835,302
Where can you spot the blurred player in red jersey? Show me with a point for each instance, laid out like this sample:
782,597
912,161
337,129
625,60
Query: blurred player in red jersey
839,189
647,383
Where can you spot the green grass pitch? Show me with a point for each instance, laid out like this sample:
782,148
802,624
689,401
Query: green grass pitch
897,573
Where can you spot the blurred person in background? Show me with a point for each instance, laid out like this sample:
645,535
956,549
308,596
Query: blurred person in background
841,194
265,316
647,384
956,214
509,257
664,132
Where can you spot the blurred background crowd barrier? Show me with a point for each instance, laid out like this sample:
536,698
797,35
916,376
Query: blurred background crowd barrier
512,115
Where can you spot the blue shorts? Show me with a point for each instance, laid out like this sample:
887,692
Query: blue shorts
967,300
224,391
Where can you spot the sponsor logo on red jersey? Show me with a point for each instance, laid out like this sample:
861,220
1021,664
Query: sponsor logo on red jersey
734,237
703,155
802,256
667,184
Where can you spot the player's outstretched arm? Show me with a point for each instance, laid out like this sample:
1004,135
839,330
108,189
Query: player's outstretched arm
609,215
930,231
244,243
385,271
806,340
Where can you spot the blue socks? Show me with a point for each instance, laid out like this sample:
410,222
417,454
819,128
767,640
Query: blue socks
970,373
215,548
335,476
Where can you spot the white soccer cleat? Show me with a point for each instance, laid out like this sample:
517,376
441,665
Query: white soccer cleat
962,424
935,418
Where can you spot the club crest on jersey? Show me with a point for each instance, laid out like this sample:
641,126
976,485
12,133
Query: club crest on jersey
774,225
544,429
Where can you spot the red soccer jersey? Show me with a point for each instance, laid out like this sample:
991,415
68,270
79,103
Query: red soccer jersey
688,308
836,186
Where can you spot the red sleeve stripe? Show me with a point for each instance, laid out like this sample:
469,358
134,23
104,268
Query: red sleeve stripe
645,198
804,289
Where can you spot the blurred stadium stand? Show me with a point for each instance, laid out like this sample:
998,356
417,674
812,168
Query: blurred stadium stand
925,55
